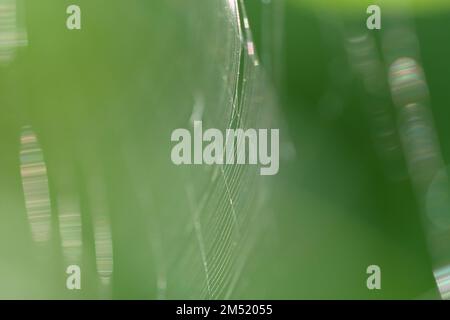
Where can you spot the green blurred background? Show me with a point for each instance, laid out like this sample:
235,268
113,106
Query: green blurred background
104,100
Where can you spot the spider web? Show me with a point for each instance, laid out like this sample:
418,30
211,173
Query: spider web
201,242
102,192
